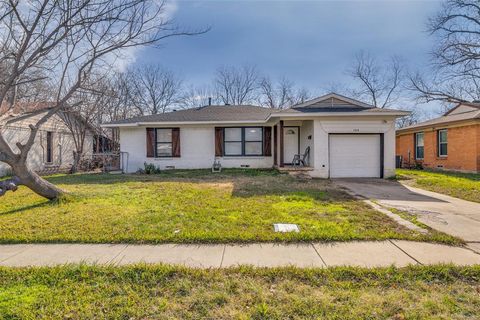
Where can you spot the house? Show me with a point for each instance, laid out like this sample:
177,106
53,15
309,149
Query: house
450,142
54,144
345,137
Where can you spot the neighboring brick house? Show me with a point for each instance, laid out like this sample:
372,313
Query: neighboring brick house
450,142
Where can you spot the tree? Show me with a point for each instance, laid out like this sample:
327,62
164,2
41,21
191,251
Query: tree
455,73
379,84
68,41
280,95
194,97
236,85
86,115
156,88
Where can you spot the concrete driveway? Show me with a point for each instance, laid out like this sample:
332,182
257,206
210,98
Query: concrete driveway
451,215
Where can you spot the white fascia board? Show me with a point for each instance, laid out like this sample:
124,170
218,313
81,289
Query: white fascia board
341,114
177,123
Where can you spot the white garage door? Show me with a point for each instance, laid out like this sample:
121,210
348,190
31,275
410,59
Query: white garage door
354,156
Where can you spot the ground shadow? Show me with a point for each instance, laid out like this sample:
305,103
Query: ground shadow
25,208
380,189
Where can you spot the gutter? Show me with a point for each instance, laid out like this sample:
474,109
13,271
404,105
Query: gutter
273,115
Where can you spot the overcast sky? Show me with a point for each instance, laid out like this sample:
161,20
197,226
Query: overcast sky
309,42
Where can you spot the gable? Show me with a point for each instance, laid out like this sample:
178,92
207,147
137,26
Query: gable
333,100
462,108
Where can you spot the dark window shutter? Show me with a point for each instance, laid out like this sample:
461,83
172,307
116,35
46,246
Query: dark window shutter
176,142
267,141
218,142
150,142
275,145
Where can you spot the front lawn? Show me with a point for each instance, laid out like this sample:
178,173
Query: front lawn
167,292
460,185
193,206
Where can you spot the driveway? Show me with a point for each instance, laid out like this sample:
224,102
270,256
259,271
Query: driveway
454,216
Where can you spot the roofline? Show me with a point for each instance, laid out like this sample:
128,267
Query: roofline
140,123
273,115
333,114
468,104
332,95
435,125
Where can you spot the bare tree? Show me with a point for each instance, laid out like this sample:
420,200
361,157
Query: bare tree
379,84
123,102
455,74
236,85
156,88
86,114
68,40
194,97
280,95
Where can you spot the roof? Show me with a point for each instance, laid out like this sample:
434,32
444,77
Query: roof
208,113
330,104
334,102
471,113
23,107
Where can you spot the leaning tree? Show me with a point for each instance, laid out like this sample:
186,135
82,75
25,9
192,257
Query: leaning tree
69,41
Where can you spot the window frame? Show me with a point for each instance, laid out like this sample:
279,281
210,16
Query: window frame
439,143
155,150
243,142
417,146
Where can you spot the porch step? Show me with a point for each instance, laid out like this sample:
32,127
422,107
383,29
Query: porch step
294,169
302,175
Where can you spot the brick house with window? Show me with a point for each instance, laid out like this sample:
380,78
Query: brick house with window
450,142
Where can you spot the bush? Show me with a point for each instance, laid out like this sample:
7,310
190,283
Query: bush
150,168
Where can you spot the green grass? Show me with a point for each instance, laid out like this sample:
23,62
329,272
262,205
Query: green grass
193,206
460,185
166,292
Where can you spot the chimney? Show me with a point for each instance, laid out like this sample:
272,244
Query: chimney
209,101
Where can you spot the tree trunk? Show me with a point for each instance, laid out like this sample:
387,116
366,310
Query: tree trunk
76,161
36,183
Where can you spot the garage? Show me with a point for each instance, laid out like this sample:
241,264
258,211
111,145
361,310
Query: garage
355,155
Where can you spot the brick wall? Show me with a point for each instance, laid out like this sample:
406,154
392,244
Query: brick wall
463,148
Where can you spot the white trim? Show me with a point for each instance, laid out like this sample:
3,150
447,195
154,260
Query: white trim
416,144
166,123
439,143
273,115
330,96
343,114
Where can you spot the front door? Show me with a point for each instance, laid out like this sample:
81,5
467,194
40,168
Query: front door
290,143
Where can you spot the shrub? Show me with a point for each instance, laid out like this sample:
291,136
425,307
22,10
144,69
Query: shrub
150,168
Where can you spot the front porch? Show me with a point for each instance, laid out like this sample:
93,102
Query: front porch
293,145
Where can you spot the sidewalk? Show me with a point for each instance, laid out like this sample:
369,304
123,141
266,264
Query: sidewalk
356,253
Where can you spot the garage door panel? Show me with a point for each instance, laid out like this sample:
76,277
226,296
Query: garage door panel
354,155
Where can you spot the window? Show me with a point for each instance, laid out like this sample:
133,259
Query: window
419,145
233,141
442,143
163,142
49,147
247,141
